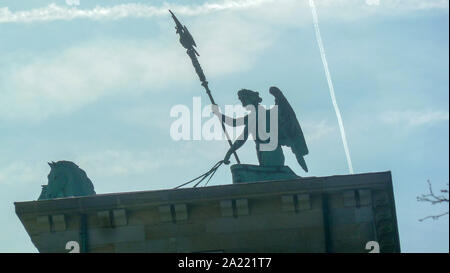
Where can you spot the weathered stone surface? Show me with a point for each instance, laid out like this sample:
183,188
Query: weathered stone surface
288,203
303,202
278,216
106,248
265,222
55,242
99,236
165,213
181,212
43,223
341,216
363,214
59,222
166,230
120,217
242,207
226,208
365,197
349,198
104,219
130,247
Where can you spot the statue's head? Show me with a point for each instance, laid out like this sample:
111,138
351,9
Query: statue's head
67,179
58,177
249,97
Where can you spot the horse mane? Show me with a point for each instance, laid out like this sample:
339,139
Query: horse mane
65,164
79,175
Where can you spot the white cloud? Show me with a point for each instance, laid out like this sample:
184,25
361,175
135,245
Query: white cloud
414,117
62,82
56,12
116,164
349,10
231,43
123,162
281,9
400,4
140,116
373,2
73,2
23,172
104,164
317,130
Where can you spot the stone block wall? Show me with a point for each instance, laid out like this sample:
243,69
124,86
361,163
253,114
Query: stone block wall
331,214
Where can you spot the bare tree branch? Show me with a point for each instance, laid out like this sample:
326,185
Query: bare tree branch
433,199
434,217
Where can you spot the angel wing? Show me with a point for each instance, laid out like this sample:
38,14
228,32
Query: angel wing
290,133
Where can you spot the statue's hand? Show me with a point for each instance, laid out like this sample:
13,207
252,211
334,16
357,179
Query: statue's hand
215,109
226,160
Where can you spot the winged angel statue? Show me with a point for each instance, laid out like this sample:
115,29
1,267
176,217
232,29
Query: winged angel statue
289,131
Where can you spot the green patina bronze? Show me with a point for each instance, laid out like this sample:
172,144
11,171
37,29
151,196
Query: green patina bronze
271,163
66,179
187,41
243,173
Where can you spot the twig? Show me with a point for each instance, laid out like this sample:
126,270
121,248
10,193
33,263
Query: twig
433,199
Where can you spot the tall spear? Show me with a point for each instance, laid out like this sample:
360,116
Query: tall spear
188,42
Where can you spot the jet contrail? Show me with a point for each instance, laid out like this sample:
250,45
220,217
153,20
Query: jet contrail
330,84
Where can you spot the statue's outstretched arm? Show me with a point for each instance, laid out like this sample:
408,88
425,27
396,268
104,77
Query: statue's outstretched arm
229,120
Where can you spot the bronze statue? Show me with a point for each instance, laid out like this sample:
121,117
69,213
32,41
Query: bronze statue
187,41
289,131
66,179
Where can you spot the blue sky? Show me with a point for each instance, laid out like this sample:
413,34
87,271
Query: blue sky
94,84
